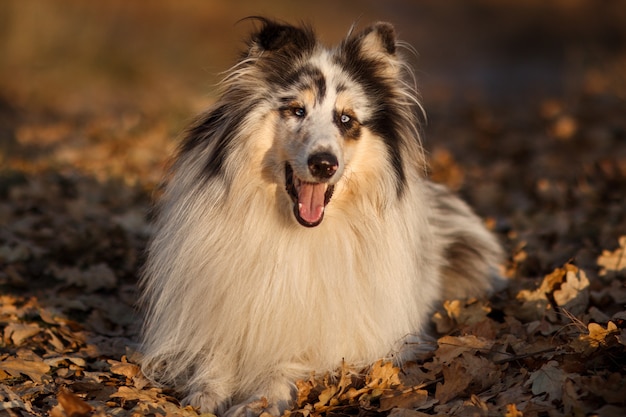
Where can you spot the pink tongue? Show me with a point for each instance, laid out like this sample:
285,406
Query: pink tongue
311,200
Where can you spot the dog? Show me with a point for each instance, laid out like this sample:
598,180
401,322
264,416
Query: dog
297,229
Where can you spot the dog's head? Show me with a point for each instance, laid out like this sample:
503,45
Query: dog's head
343,119
332,103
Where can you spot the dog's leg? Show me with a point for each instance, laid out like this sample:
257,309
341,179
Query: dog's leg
471,253
211,389
273,398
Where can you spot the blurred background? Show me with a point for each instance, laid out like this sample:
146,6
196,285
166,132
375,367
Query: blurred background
106,87
76,54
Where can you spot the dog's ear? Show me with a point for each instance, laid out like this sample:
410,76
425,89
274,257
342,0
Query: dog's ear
278,37
373,47
380,38
377,41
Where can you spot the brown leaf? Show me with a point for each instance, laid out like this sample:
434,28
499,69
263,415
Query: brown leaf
96,277
36,370
451,347
129,370
19,332
455,381
549,379
130,394
403,412
73,405
409,399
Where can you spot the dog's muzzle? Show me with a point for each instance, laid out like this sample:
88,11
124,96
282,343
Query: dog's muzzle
310,198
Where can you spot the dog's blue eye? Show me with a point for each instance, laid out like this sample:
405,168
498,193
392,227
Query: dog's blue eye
299,112
345,118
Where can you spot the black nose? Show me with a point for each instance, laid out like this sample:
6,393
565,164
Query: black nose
323,165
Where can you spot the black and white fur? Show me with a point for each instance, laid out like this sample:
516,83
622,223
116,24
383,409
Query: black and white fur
297,230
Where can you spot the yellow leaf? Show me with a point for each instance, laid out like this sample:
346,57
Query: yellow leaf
573,295
325,396
512,411
597,333
613,263
587,343
383,375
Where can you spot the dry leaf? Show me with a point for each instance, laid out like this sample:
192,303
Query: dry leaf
383,375
596,337
36,370
549,379
129,370
73,405
613,263
512,411
408,399
132,394
404,412
451,347
573,294
96,277
19,332
325,397
455,381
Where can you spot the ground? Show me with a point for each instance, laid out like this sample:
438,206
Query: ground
526,108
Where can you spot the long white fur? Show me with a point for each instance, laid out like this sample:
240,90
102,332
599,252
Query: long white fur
241,300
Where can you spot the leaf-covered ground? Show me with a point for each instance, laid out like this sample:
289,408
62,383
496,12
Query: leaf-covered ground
81,154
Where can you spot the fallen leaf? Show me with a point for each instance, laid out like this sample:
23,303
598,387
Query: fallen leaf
408,399
451,347
455,381
549,379
383,375
131,394
129,370
596,337
573,295
35,370
325,396
403,412
73,405
17,333
96,277
512,411
613,263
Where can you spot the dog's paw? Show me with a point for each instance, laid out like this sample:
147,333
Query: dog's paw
255,407
207,403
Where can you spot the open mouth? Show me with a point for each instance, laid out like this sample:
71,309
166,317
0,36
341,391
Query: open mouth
309,198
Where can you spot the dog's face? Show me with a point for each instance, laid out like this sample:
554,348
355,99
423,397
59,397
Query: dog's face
338,112
340,120
320,123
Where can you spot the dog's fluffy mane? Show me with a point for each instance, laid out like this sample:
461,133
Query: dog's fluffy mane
240,299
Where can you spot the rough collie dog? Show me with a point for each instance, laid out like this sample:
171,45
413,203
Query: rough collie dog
296,230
